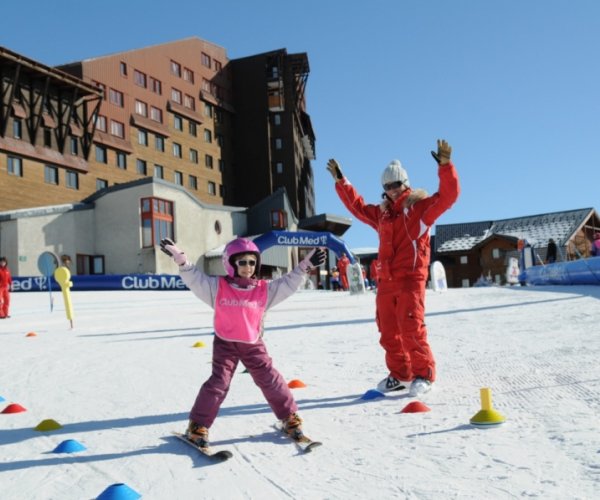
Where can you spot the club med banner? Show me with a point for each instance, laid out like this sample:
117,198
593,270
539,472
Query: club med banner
104,282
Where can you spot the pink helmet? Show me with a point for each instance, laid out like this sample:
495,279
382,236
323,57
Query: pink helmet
236,247
597,236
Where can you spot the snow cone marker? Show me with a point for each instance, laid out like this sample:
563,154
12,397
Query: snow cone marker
48,425
296,384
63,277
487,416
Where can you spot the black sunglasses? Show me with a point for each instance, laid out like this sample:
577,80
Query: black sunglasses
245,263
393,185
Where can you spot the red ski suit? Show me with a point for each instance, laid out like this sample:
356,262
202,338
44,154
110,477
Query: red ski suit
404,253
5,282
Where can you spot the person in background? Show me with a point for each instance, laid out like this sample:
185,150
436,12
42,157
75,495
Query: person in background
240,301
596,245
403,221
335,279
342,265
551,252
373,272
5,284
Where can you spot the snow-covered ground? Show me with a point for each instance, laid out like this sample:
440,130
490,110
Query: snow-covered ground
126,376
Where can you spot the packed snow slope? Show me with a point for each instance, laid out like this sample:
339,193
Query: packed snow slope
127,374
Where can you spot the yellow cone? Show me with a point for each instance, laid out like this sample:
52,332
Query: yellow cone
48,425
487,416
199,344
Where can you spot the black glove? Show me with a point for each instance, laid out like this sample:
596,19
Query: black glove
167,246
163,243
318,258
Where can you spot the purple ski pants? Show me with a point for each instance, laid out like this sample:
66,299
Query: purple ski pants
226,356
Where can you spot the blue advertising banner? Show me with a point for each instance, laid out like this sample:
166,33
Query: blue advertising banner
101,282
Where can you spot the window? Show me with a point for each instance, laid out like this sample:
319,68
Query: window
90,264
278,219
218,65
189,102
155,86
139,78
116,97
464,259
140,167
121,160
221,165
51,175
495,253
220,140
159,143
101,123
141,108
142,137
193,182
47,137
465,283
178,178
159,172
207,135
205,85
176,68
208,109
123,69
188,75
157,220
156,114
205,59
14,166
276,119
208,161
193,129
279,167
72,179
177,150
117,128
212,188
278,143
73,145
178,122
193,155
176,95
101,184
17,128
101,154
218,116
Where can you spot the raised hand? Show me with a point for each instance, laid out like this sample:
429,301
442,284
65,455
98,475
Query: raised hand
444,150
334,169
315,258
168,246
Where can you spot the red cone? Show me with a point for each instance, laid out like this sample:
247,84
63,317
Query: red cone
14,408
415,407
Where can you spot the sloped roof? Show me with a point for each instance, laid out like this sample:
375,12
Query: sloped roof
536,229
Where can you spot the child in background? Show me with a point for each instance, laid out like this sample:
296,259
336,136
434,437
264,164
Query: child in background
5,284
240,301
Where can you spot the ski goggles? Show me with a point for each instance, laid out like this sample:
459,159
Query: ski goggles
388,186
245,263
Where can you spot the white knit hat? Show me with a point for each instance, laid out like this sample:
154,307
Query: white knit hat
393,173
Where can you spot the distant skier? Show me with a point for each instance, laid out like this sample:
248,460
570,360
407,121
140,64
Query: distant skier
551,251
240,300
342,265
5,284
403,221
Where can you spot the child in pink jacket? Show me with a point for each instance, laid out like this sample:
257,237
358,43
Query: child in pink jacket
240,300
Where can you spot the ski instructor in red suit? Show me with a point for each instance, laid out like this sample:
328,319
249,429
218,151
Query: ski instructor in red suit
403,221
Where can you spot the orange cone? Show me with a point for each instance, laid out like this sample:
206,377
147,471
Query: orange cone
415,407
296,384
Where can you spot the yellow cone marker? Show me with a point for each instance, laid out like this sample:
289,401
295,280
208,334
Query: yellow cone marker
199,344
487,416
48,425
63,277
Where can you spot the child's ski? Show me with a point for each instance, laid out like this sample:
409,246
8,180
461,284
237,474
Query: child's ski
218,456
304,443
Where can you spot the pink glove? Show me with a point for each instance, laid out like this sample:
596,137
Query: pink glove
168,246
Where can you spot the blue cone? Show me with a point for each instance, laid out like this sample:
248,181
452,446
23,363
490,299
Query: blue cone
119,491
2,399
69,446
372,394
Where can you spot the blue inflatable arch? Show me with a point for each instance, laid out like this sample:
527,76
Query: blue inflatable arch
304,239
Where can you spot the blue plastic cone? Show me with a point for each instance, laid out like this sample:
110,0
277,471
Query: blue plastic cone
119,491
372,394
2,399
69,446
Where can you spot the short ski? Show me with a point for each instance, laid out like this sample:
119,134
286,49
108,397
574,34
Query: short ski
218,456
303,442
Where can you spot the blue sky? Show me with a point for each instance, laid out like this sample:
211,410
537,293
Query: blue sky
513,85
